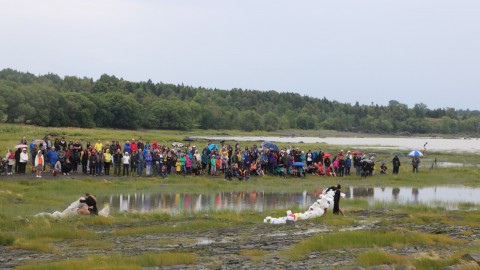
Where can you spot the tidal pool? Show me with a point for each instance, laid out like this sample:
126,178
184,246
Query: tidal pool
260,201
418,143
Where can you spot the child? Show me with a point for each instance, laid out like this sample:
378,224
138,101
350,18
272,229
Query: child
383,169
39,162
178,166
228,174
57,168
330,171
213,165
218,164
164,171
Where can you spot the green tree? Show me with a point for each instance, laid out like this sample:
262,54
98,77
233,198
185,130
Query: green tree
250,120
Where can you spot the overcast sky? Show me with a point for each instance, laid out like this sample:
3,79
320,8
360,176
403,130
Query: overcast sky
353,50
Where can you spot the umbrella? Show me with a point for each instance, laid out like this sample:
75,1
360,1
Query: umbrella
298,164
270,146
38,141
357,153
327,155
415,153
177,144
398,153
21,146
212,146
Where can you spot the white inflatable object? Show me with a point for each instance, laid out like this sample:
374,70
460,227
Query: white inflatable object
72,210
317,209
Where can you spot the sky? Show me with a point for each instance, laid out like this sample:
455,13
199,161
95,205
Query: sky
367,51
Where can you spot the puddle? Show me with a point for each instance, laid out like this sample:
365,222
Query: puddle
175,203
204,242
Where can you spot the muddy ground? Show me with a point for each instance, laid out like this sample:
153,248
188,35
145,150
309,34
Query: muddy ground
220,248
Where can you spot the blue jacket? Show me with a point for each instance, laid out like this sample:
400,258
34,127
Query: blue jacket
52,157
348,162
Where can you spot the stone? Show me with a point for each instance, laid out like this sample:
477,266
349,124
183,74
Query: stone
406,267
381,267
472,257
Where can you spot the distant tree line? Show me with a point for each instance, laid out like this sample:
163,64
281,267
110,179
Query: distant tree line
49,100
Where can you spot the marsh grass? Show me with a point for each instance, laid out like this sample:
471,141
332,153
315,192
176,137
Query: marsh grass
92,244
254,254
117,262
436,263
6,239
44,228
378,257
43,245
364,239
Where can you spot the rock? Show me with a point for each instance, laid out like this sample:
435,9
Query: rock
472,257
468,265
381,267
406,267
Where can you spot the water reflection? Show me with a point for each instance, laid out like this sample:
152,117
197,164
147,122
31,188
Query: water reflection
238,201
260,201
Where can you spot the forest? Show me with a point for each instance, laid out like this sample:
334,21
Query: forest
110,102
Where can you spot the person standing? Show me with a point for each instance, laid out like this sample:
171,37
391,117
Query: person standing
17,159
10,157
348,165
126,163
117,162
23,161
336,201
148,164
92,162
84,159
39,162
415,164
396,165
108,161
357,163
100,162
52,157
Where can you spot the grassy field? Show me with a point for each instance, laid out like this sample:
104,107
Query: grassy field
21,198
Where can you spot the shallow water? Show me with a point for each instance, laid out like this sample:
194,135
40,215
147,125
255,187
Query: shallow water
433,144
261,201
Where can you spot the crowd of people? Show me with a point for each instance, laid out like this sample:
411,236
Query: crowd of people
142,158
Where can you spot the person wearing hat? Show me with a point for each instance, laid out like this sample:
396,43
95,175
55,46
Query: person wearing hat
98,146
91,202
126,164
23,161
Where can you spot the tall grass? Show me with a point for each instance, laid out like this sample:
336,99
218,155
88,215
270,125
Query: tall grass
117,262
254,254
6,239
364,239
378,257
